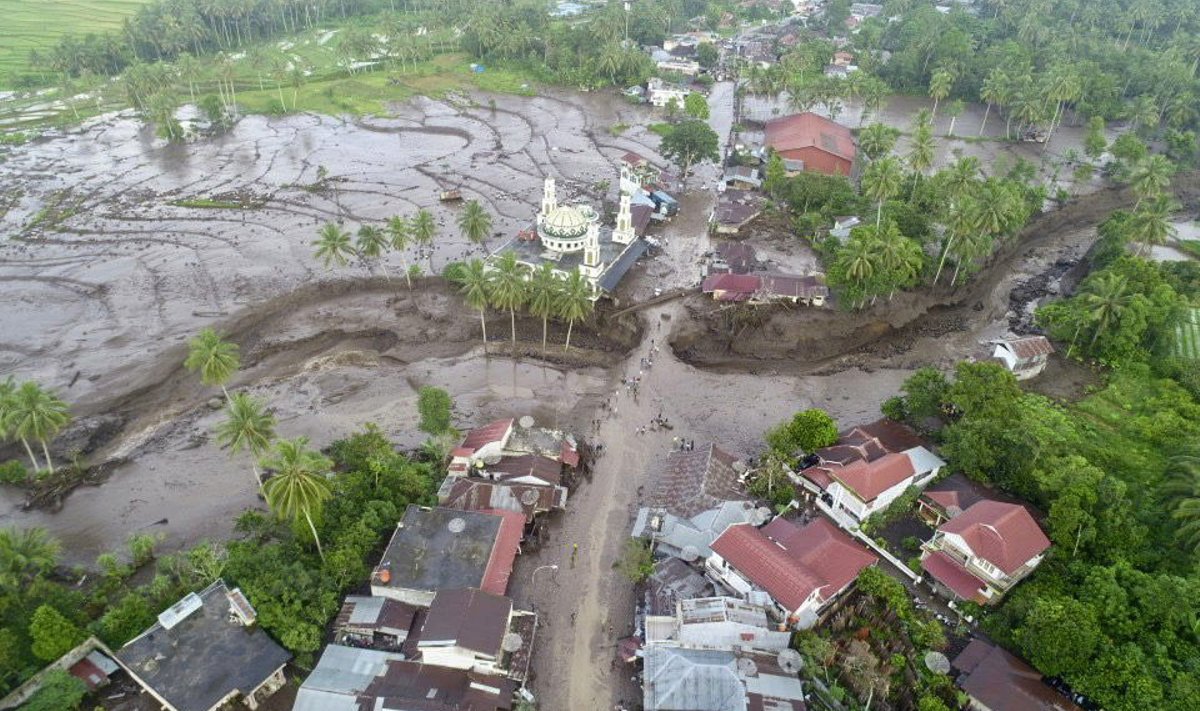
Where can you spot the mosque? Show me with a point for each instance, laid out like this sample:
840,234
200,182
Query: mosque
570,237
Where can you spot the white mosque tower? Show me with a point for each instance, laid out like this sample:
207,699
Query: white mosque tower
623,232
592,267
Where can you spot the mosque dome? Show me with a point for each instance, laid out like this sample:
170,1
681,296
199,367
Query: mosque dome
564,223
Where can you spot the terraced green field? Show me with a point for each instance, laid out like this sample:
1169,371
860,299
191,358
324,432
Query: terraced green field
1187,336
37,24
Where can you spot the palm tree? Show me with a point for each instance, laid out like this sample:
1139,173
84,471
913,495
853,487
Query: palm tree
476,289
423,231
213,357
939,87
508,288
26,554
1182,492
475,223
881,182
1150,224
8,386
399,231
545,290
877,140
298,487
993,91
333,245
857,261
900,258
961,176
1105,299
371,244
575,302
963,221
33,413
249,427
1151,176
920,156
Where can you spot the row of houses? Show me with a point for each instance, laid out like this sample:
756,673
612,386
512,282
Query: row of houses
731,579
437,630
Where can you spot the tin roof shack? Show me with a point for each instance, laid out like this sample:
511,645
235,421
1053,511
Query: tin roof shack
1024,357
672,581
439,548
205,651
717,623
376,622
681,679
350,679
998,681
471,494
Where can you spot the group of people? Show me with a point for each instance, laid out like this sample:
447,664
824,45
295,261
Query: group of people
684,445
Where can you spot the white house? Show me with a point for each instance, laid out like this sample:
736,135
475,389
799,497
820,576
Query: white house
984,551
862,488
660,93
800,570
717,623
1024,357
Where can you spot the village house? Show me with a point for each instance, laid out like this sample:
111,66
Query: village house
868,469
980,554
743,177
998,681
717,623
660,93
435,549
695,497
732,258
673,581
766,288
1024,357
948,498
476,631
842,227
683,679
799,570
734,210
351,679
808,142
471,494
205,651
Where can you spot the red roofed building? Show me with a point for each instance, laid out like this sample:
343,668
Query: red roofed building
481,443
802,569
981,553
819,144
731,287
998,681
869,468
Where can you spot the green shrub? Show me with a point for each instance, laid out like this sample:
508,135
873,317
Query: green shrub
13,472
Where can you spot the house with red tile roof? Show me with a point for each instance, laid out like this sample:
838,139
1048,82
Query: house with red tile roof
481,444
812,143
801,569
980,554
869,468
998,681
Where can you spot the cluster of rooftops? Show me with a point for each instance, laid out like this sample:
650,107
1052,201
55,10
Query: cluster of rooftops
436,632
731,579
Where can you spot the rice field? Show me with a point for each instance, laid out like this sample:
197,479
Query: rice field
38,24
1187,335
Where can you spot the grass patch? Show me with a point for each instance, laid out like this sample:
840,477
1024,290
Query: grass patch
39,24
212,204
618,128
662,129
1187,335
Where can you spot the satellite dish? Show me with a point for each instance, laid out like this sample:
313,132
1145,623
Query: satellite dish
457,525
529,497
790,661
512,642
937,663
689,553
746,666
525,422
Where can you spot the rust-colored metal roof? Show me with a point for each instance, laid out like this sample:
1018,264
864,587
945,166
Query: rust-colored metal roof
790,562
504,552
731,287
954,494
471,494
528,465
1004,535
1029,346
468,618
481,436
808,130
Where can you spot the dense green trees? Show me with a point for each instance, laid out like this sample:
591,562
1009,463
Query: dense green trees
807,431
689,143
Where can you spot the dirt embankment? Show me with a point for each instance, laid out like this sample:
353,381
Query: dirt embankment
283,335
815,340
